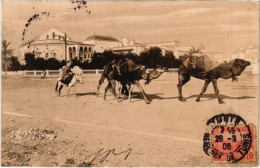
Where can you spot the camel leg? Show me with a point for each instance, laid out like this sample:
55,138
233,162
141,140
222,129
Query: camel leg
183,79
100,82
106,89
142,91
119,90
56,88
220,101
203,90
124,89
113,86
130,92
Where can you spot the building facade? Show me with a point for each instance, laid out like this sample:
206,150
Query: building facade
55,44
250,53
128,45
102,43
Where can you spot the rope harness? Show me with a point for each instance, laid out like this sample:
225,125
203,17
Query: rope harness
118,67
194,63
147,79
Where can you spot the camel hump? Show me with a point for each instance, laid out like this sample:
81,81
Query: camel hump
132,66
203,63
186,63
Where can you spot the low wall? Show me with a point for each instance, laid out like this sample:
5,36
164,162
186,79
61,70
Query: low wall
56,73
95,72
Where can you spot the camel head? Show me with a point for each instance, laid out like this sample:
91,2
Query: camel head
161,69
239,66
157,72
154,74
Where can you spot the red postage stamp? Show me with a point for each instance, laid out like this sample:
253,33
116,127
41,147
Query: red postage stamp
233,144
230,139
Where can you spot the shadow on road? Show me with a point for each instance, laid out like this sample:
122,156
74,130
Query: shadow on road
85,94
213,96
139,95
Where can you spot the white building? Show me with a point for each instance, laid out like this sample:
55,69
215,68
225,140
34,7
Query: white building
172,47
250,53
51,44
181,50
128,45
102,43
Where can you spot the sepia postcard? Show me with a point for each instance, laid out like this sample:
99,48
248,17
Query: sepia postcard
129,83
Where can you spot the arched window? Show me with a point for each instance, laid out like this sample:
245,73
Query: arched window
47,37
91,48
53,35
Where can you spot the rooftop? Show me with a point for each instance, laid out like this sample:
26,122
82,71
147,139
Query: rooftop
105,38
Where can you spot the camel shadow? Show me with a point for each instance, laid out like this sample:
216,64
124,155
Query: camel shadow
213,96
139,96
85,94
79,94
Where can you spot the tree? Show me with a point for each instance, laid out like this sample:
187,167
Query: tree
96,62
156,57
40,64
143,59
5,53
171,62
15,64
108,56
193,50
29,59
53,64
151,58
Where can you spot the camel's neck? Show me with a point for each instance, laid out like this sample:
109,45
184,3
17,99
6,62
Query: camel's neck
152,75
231,71
144,75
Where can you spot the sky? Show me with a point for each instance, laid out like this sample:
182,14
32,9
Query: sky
220,26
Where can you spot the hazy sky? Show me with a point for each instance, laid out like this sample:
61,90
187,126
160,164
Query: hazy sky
220,26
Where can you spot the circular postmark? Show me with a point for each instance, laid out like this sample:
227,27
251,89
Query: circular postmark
227,138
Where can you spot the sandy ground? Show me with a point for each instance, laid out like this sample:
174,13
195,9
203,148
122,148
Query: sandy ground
166,132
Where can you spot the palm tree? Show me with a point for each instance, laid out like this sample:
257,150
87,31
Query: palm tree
193,50
6,52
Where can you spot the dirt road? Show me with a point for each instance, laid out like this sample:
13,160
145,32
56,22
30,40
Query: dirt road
91,132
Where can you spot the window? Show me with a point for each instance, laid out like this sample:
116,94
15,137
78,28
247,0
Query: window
47,37
46,56
53,35
85,56
54,55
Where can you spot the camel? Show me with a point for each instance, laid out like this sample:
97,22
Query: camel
225,70
142,74
108,68
127,72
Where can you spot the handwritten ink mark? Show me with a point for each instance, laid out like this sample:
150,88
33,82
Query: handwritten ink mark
105,154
